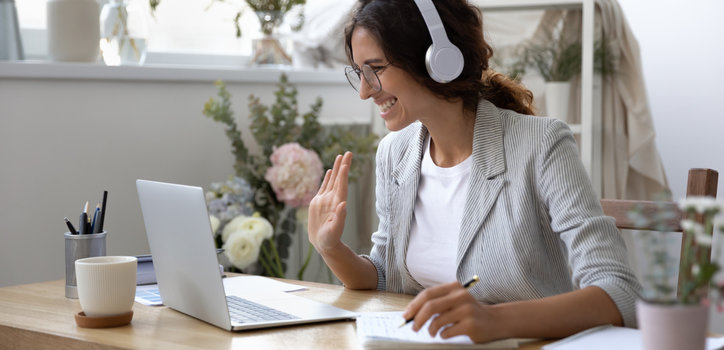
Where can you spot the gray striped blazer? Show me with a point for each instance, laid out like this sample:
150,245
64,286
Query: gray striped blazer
532,224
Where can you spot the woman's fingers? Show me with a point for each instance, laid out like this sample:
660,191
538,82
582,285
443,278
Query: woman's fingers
460,308
335,171
428,303
325,181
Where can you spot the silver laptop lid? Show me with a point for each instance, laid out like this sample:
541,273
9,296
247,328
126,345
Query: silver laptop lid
174,216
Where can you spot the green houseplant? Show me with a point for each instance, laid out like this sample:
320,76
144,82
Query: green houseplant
558,59
669,320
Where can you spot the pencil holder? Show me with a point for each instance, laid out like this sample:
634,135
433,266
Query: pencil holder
78,247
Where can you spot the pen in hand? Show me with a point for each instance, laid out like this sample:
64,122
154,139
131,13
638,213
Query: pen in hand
467,285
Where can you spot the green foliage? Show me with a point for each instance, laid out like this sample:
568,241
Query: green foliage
276,125
697,267
558,58
558,62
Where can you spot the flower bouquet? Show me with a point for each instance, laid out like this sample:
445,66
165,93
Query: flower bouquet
271,185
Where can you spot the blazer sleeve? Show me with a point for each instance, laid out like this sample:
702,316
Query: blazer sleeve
380,238
596,251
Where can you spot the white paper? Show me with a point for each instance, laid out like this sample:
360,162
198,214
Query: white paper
148,295
382,330
610,337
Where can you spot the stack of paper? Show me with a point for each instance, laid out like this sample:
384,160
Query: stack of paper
610,337
380,330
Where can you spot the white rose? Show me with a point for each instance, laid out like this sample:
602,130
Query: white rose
214,224
242,249
256,226
232,226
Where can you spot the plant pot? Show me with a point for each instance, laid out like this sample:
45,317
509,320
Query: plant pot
672,326
558,95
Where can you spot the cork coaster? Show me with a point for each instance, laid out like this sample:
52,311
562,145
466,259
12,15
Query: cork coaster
103,322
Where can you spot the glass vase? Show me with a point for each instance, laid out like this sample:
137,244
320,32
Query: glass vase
123,33
268,50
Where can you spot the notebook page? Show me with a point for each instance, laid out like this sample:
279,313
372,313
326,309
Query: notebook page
376,328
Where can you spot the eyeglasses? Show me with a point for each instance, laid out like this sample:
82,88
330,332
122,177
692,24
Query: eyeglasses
370,73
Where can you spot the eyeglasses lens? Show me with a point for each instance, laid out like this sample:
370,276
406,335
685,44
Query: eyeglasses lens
369,74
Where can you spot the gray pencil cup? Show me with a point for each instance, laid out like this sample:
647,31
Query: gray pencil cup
79,247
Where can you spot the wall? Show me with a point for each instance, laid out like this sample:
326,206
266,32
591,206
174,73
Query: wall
682,54
63,141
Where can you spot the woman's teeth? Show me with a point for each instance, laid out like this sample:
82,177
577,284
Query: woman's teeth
384,107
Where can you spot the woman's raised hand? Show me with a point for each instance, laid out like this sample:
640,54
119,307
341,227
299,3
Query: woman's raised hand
328,208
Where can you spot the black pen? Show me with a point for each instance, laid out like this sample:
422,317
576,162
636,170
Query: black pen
70,227
103,212
467,285
84,220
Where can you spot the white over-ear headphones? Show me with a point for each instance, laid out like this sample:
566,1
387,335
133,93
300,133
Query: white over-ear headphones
444,60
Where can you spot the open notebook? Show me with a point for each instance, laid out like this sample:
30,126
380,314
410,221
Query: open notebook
380,330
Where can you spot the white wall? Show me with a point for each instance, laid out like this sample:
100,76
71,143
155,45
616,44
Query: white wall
683,62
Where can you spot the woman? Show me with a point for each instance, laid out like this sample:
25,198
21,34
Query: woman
468,182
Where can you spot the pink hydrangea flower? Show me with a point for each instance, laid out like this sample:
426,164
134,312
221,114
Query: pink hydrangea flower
295,174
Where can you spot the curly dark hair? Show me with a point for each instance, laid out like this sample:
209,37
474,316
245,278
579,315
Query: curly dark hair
400,30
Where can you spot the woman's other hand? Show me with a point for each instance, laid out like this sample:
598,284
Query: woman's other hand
456,313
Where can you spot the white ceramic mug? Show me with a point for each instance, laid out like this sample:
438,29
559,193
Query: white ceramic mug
106,284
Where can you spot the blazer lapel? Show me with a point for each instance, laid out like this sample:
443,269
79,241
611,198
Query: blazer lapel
485,184
406,177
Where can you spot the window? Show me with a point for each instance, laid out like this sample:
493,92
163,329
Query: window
200,27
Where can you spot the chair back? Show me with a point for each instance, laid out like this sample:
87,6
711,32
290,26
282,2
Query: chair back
700,182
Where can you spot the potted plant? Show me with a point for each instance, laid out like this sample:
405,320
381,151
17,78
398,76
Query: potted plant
676,321
558,60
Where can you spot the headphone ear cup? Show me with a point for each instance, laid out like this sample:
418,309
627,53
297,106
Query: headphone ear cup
444,64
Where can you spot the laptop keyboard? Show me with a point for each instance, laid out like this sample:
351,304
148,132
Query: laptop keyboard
245,311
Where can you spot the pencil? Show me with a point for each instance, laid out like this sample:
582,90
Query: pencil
467,285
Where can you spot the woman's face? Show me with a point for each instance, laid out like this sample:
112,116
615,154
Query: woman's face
401,98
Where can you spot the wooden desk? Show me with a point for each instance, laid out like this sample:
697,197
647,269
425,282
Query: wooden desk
39,316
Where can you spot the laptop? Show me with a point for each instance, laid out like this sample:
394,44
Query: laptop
184,257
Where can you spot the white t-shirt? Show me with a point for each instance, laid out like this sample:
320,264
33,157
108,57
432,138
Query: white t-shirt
436,221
